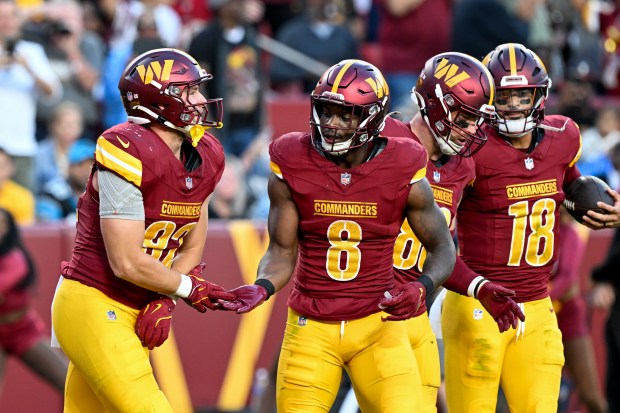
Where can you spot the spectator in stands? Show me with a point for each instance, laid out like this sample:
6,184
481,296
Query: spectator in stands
231,197
256,164
25,77
66,126
410,33
598,141
123,15
480,25
227,48
21,328
76,56
17,199
570,307
58,198
575,99
118,56
320,33
194,14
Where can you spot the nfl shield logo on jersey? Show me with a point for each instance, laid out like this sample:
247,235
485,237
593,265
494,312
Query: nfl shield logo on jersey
529,164
188,183
345,178
478,314
436,176
111,315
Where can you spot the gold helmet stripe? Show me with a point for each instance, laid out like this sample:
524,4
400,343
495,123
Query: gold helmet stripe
513,59
341,75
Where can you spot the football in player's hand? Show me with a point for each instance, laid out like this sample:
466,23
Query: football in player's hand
583,194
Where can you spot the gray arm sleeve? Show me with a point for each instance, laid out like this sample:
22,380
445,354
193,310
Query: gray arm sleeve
118,198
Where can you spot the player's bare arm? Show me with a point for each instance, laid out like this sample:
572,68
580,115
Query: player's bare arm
429,224
276,267
123,240
191,251
279,261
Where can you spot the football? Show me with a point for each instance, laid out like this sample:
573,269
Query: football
583,194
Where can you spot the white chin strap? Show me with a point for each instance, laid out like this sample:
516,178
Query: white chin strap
516,127
336,149
143,121
446,148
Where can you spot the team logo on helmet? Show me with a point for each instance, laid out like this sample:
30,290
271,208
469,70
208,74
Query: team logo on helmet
155,70
379,85
449,73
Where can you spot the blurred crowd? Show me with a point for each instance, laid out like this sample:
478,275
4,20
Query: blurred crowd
60,61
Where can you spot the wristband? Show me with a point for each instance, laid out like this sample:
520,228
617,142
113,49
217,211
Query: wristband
475,285
428,284
268,285
185,288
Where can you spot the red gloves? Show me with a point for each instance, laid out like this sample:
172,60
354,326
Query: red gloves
496,300
153,322
203,294
404,301
246,298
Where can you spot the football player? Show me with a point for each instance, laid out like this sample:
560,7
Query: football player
338,196
507,230
455,95
141,230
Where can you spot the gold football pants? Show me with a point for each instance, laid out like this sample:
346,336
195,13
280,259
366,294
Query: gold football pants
109,369
377,356
424,345
527,362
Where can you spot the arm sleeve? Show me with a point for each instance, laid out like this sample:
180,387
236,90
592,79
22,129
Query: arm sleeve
118,198
570,175
461,277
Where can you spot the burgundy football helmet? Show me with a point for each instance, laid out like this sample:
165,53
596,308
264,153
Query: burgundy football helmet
452,85
155,86
359,87
514,66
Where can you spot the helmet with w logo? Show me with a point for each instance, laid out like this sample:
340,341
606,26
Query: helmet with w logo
156,86
453,86
359,87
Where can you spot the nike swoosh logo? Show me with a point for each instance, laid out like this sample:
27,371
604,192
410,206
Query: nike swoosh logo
125,144
158,306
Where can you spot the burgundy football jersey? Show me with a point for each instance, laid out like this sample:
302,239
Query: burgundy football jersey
172,201
447,181
508,222
349,220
